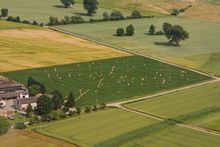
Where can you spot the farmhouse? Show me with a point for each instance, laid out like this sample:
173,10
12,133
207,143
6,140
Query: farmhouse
10,89
21,104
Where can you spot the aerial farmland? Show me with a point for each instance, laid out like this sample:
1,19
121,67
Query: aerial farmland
109,73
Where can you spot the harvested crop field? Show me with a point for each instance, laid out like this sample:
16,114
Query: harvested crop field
29,138
23,49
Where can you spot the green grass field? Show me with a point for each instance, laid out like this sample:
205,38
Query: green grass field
5,25
183,102
111,79
175,137
95,128
41,10
201,51
90,129
211,121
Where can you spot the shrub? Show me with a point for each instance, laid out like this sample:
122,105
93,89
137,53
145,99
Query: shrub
103,106
53,21
66,109
78,110
88,109
152,30
4,125
13,19
4,12
95,108
34,23
20,126
77,19
174,12
106,16
26,22
71,113
120,32
136,14
117,15
159,33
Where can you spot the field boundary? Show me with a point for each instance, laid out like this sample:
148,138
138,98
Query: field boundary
131,52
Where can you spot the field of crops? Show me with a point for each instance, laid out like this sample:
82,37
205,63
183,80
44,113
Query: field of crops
122,131
110,79
24,49
201,51
19,138
89,129
175,137
183,102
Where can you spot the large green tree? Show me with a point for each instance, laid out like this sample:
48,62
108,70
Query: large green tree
57,100
70,100
4,125
67,3
130,30
44,105
91,6
175,33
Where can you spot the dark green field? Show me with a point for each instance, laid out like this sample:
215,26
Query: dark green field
111,79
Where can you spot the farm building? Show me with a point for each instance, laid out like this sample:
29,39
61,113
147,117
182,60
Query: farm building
10,89
21,104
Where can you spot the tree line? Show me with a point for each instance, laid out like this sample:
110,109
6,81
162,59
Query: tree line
174,33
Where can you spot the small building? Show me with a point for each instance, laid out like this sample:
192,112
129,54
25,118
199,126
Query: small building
2,104
10,89
21,104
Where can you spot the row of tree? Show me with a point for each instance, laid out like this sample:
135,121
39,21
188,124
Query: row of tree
174,33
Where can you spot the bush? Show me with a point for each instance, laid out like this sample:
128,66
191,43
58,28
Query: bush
87,109
159,33
78,110
4,12
117,15
26,22
152,30
103,106
106,16
66,109
13,19
20,126
46,117
35,23
95,108
120,32
136,14
174,12
4,125
76,19
71,113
